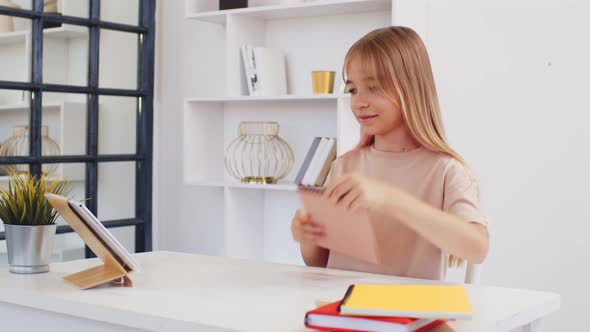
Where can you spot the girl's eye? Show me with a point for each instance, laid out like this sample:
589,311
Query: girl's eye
352,91
373,89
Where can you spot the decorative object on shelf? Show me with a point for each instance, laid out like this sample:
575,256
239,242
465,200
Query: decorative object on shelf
7,22
29,221
323,81
51,7
18,146
258,155
315,167
265,71
232,4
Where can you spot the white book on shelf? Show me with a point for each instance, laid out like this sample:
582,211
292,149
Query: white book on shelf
309,178
270,72
249,68
324,160
305,165
326,163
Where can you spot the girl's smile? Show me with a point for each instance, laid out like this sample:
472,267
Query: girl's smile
365,118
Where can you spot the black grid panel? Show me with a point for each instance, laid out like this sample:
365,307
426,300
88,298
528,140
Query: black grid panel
143,93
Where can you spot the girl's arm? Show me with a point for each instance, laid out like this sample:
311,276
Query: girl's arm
468,240
453,235
314,255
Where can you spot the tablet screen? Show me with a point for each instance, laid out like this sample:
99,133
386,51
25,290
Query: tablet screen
104,236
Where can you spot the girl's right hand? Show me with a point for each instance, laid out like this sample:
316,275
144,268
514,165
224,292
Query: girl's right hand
304,230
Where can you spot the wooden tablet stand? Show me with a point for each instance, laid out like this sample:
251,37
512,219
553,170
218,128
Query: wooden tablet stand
110,271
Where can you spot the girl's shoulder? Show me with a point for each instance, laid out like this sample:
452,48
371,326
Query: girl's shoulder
459,175
445,162
348,161
352,156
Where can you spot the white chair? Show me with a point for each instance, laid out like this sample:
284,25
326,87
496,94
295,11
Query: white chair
472,273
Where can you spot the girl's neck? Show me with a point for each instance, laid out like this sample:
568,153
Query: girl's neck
396,141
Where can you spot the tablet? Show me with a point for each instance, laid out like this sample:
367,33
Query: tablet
115,247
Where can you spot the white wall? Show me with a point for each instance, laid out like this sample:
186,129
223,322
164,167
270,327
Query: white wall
512,79
178,75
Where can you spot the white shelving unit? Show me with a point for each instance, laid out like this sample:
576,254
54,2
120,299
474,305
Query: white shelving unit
314,35
64,120
206,11
15,58
65,61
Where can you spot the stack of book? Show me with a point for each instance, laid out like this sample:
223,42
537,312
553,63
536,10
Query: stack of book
315,167
392,308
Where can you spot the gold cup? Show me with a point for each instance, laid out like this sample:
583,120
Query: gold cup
323,81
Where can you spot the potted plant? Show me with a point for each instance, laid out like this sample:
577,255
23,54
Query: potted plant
29,221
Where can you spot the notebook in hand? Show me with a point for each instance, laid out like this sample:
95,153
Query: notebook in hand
420,301
328,318
349,233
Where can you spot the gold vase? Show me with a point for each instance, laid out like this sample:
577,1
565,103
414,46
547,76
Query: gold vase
323,82
258,154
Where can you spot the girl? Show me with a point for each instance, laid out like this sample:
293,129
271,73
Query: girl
422,197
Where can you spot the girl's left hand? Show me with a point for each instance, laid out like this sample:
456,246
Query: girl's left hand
358,193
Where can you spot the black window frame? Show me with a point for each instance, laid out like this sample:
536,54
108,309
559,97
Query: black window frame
144,94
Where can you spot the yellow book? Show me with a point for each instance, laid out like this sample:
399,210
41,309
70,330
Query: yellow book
417,301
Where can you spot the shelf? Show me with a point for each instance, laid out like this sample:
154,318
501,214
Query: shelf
14,37
64,32
289,98
304,9
14,107
5,178
278,186
207,184
22,106
282,186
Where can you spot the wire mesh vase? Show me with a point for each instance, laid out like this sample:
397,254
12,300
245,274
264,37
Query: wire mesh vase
258,155
18,146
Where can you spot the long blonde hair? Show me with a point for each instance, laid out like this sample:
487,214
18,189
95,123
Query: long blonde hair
399,61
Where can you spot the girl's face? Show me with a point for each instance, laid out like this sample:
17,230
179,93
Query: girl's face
377,114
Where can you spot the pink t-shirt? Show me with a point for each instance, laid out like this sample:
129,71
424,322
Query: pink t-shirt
434,178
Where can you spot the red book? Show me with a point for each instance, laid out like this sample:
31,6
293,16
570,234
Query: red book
328,318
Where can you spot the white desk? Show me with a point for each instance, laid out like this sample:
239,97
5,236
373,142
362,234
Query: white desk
182,292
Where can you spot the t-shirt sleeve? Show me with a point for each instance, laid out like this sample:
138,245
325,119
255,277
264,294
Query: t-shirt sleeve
461,193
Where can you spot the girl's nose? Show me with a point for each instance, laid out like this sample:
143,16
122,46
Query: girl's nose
360,100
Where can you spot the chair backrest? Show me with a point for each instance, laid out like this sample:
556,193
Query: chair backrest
472,273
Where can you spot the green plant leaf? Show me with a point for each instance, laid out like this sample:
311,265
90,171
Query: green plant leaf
24,202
